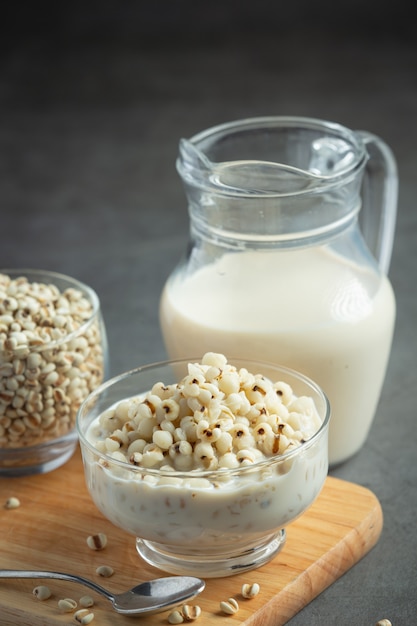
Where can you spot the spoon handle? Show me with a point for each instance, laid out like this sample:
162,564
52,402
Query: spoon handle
16,573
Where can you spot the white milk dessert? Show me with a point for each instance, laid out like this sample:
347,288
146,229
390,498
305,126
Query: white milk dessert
222,458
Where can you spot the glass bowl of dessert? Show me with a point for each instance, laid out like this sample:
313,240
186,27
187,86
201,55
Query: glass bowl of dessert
53,354
205,461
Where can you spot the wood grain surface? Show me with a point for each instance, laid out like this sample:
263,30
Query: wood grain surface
56,515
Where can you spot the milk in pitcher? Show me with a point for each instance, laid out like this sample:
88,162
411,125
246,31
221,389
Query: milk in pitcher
309,309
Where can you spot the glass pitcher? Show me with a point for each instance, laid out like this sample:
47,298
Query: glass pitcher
292,223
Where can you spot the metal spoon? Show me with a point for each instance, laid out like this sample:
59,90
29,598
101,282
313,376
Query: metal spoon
152,596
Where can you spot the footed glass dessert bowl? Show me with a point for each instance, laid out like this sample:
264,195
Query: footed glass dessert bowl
205,463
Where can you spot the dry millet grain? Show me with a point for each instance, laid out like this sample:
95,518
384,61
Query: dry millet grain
175,617
105,571
67,605
84,616
97,542
42,592
12,503
229,607
190,612
250,590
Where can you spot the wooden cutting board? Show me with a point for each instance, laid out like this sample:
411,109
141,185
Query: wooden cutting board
56,515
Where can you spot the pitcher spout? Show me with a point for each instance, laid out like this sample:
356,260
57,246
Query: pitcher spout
330,159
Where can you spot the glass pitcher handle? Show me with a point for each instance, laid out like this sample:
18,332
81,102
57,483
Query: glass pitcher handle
378,214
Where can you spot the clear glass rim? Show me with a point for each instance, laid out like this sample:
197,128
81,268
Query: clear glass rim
212,475
31,274
324,182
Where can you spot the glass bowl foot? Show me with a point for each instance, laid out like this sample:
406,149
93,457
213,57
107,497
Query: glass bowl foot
212,565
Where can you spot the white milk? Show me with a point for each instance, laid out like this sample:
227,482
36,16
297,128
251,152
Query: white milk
213,514
307,309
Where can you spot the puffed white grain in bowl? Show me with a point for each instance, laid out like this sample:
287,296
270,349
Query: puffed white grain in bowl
205,461
53,354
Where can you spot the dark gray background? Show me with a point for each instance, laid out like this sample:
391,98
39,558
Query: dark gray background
94,98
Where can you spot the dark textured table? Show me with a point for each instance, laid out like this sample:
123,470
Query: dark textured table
93,101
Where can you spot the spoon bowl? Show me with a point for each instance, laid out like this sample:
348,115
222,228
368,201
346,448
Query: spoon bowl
152,596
